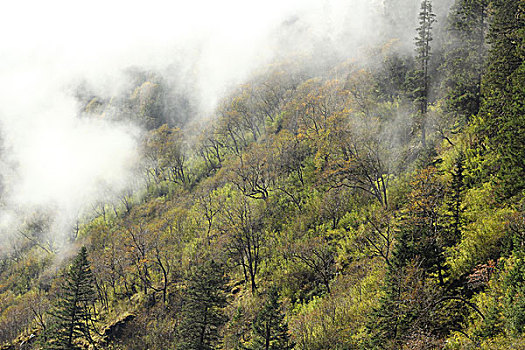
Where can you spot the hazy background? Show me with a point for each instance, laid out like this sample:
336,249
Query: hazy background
52,159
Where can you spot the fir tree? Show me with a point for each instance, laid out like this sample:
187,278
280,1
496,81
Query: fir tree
417,268
73,315
499,153
422,77
202,313
270,330
465,57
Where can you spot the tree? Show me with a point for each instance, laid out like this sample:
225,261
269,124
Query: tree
514,302
317,254
499,130
422,77
254,173
202,312
270,330
348,152
464,59
138,246
375,236
420,235
413,312
36,228
389,78
420,305
242,224
454,221
164,151
209,204
73,316
290,158
211,148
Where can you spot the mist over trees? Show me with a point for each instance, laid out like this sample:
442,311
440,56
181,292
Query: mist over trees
333,203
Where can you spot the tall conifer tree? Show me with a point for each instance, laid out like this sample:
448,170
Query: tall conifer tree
500,128
73,316
465,56
423,39
202,313
271,331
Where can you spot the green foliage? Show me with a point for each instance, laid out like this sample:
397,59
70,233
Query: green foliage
270,329
73,314
421,76
337,320
483,234
500,319
514,299
500,126
202,311
313,183
465,55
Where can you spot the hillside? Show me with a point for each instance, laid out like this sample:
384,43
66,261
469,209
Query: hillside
355,204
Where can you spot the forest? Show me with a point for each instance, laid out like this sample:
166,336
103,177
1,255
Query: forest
376,203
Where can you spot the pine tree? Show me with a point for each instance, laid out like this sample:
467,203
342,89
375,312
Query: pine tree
422,77
416,271
73,315
390,323
202,312
465,57
270,330
499,152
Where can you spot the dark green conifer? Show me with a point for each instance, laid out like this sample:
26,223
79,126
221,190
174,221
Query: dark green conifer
422,76
454,207
499,153
202,312
73,315
465,56
270,329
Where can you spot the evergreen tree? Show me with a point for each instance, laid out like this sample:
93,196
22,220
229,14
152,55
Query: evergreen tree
202,312
422,77
453,205
73,315
409,305
271,332
420,236
499,153
390,78
390,324
464,59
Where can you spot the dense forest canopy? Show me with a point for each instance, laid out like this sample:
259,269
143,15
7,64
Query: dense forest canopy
370,201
